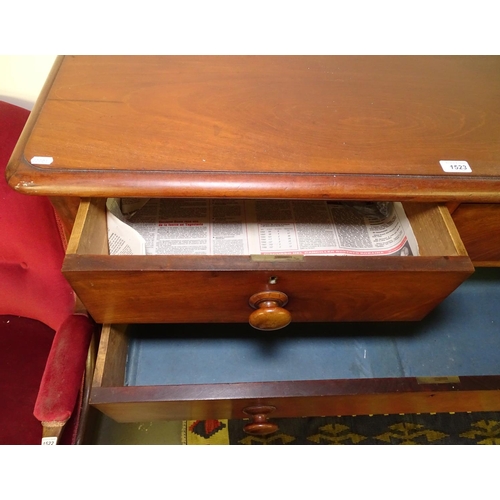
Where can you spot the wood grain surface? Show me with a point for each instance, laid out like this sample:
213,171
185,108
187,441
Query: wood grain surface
346,127
193,288
479,227
297,398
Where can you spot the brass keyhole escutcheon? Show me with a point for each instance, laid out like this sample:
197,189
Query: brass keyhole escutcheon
269,313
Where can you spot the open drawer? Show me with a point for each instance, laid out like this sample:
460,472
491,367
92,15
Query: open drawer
447,362
217,289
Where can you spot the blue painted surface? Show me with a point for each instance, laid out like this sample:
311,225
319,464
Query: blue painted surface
460,337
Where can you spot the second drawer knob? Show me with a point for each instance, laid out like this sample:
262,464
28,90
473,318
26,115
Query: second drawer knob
259,425
269,313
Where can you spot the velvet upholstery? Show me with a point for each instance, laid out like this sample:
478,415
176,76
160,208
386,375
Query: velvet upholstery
21,368
63,374
31,252
34,297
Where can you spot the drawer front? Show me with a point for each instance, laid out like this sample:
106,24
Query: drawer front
163,289
340,294
313,399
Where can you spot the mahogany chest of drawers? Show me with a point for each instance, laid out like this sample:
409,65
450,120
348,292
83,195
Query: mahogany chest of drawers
268,127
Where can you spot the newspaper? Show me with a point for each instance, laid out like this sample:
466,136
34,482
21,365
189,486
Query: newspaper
257,227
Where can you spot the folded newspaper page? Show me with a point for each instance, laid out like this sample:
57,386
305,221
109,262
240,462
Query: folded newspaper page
257,227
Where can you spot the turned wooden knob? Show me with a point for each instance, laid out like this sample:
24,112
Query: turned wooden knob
269,313
259,426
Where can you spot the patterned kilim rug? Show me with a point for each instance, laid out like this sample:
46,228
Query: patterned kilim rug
437,429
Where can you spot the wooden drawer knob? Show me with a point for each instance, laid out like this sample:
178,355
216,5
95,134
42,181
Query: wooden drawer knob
259,426
269,313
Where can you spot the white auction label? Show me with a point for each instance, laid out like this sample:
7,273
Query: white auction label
41,160
49,441
455,166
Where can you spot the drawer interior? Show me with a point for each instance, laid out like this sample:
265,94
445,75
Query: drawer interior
432,224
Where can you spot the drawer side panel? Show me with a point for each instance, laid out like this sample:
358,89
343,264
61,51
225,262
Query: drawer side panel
479,227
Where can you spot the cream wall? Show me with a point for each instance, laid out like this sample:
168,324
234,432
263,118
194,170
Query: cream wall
22,78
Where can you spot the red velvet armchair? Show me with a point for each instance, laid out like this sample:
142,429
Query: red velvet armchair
43,342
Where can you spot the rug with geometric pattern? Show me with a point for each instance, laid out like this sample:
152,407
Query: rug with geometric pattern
413,429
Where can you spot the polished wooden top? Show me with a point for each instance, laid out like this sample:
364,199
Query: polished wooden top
344,127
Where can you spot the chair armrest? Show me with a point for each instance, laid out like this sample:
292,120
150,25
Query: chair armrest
62,378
